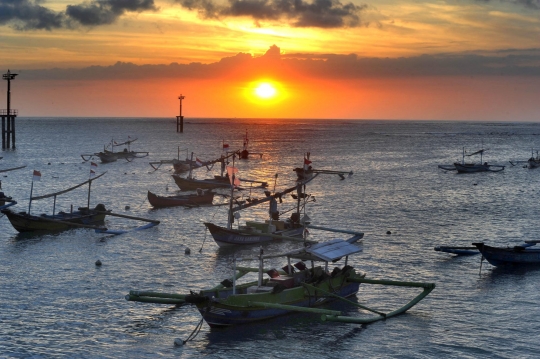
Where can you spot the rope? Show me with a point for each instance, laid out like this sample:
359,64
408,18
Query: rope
194,332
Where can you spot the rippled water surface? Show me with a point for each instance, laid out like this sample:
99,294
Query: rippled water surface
55,302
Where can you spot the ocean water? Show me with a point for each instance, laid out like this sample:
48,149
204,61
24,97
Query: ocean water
55,302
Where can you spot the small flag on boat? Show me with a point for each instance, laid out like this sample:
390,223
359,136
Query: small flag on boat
93,165
37,176
225,146
231,171
306,163
92,173
198,162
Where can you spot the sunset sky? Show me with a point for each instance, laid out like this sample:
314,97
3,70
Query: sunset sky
390,59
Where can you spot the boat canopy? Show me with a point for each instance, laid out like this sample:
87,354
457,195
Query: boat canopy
325,251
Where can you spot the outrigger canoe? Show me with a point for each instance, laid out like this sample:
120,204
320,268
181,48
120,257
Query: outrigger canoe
294,288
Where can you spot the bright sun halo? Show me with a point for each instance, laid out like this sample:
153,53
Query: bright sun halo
265,90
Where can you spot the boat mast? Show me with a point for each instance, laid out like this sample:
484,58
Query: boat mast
89,186
230,217
31,190
190,167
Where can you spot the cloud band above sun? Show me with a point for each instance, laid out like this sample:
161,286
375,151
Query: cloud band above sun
33,15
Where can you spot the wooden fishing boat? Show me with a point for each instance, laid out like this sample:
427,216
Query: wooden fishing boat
463,167
189,200
107,156
83,217
522,254
307,171
255,233
294,288
534,161
245,153
190,183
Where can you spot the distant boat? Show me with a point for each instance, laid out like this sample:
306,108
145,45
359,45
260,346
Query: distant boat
190,200
463,167
190,183
307,171
533,162
245,153
108,156
522,254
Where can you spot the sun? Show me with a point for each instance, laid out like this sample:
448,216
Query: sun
265,90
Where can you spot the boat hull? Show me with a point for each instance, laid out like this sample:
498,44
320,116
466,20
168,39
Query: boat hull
504,256
230,237
236,309
23,222
472,168
205,198
533,163
186,184
107,157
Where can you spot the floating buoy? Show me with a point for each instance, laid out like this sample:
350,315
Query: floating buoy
188,251
178,342
127,207
388,232
474,184
49,163
98,263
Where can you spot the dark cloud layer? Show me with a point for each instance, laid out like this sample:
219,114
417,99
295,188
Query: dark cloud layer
105,12
31,15
319,13
329,66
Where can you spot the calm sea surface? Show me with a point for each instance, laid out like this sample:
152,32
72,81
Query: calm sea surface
55,302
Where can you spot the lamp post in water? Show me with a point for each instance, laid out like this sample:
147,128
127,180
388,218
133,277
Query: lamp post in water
180,119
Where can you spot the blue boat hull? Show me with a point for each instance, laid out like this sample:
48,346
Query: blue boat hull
504,256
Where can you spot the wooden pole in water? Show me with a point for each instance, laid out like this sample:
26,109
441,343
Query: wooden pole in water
9,115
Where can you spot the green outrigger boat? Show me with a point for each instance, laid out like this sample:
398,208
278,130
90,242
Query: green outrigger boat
294,288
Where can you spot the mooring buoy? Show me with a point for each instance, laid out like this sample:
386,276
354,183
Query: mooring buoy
188,251
388,232
178,342
98,263
127,207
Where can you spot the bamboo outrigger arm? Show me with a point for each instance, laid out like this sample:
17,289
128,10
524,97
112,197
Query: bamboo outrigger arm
428,287
12,169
